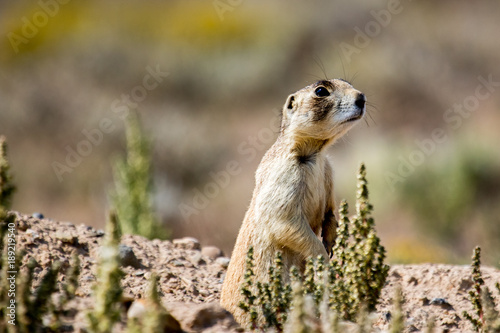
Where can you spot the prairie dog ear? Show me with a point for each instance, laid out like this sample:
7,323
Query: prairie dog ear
290,102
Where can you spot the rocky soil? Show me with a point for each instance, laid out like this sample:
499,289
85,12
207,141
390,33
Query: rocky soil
191,277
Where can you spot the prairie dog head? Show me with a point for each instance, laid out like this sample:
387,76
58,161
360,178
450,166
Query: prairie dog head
324,110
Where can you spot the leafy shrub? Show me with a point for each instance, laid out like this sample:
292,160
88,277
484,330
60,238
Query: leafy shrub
132,196
487,318
349,284
108,292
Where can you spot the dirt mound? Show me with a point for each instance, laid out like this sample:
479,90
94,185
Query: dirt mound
191,278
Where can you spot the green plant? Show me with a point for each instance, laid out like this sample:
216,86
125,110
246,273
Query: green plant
475,293
270,299
348,287
7,231
357,271
7,219
108,292
397,322
303,315
7,187
35,311
487,318
69,288
33,307
132,195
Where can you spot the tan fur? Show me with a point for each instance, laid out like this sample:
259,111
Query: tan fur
293,199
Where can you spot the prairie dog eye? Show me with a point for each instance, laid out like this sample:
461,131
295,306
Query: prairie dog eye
322,92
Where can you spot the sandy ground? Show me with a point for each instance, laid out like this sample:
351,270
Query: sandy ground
191,277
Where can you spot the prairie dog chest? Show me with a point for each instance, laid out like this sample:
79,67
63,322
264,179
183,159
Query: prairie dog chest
291,187
317,189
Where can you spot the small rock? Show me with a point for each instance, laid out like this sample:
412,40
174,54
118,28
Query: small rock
66,238
413,280
187,243
211,252
33,233
38,215
387,316
196,259
465,284
23,225
412,328
99,233
68,224
200,317
140,307
177,263
439,301
450,322
396,274
127,256
137,309
223,261
88,278
139,273
193,290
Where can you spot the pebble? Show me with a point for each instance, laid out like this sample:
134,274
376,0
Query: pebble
198,317
66,238
177,263
412,328
223,261
23,225
140,307
137,309
465,284
413,280
211,252
204,292
38,215
33,233
127,256
187,243
196,259
69,224
439,301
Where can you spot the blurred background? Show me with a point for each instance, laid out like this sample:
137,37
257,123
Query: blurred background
208,77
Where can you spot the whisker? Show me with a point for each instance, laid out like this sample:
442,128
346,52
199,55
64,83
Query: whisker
373,106
316,77
346,140
373,120
366,121
354,77
343,67
321,66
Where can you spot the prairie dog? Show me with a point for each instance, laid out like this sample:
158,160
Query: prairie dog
293,201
